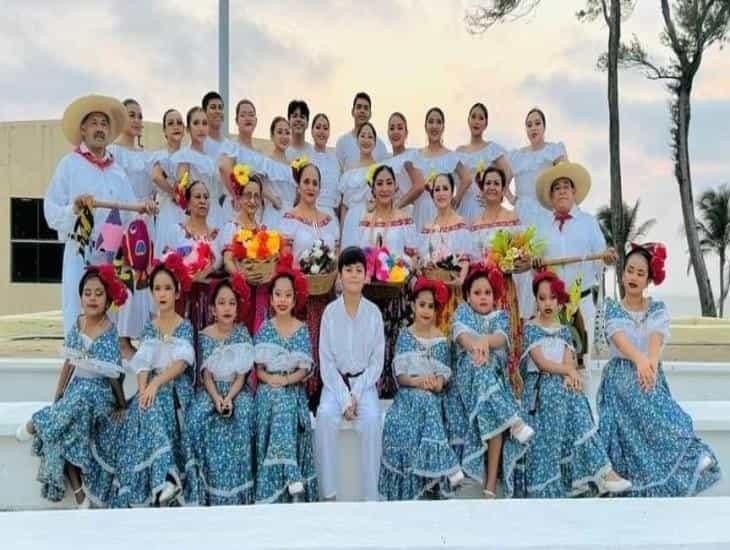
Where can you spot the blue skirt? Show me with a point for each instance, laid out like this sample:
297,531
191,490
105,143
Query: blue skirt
416,454
649,438
566,456
68,432
284,448
223,449
155,447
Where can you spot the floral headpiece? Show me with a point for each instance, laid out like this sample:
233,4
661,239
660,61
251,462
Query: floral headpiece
557,286
240,177
173,262
481,167
437,288
116,290
285,266
180,190
493,275
658,256
430,179
240,289
370,175
299,163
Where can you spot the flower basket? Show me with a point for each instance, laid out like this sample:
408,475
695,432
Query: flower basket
259,271
321,284
379,290
440,274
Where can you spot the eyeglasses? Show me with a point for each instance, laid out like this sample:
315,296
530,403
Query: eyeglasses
251,197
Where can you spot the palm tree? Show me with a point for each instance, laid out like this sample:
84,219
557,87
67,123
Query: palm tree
632,229
713,229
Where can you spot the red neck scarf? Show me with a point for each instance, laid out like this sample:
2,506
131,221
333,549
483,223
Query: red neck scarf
102,164
561,219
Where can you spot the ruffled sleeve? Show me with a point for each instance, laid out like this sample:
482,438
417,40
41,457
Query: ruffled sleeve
229,360
557,150
499,324
658,320
464,322
616,319
275,358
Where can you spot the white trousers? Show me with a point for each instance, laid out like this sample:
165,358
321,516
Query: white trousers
368,425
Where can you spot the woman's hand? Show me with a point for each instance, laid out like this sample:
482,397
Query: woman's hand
480,351
646,374
522,264
81,201
147,397
119,413
572,381
276,201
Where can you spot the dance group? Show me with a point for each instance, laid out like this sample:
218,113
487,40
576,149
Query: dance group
487,382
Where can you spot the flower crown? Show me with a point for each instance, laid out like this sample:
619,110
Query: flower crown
370,175
115,288
240,289
437,288
658,256
285,266
557,286
173,262
493,275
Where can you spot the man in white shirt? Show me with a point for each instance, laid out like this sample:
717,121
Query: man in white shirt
351,352
213,106
298,114
571,232
347,149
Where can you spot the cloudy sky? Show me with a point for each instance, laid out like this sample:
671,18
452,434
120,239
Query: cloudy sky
409,54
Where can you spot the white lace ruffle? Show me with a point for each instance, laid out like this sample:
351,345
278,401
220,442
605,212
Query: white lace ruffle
552,348
88,367
275,358
417,363
159,355
228,361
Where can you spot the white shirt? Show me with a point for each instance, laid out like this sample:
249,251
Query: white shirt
348,345
292,152
348,151
581,236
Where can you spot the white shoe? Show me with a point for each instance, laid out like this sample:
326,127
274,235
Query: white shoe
706,463
619,485
524,434
22,434
168,493
296,488
456,478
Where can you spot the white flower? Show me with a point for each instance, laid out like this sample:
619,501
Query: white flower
331,255
314,270
305,255
318,243
317,254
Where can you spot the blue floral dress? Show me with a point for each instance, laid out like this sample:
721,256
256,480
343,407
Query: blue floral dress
416,457
223,446
484,392
649,438
71,430
284,447
155,446
566,453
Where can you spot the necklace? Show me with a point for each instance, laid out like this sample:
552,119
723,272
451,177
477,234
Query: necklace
381,236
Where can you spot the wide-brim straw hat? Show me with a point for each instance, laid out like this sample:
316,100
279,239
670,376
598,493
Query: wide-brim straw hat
571,170
75,113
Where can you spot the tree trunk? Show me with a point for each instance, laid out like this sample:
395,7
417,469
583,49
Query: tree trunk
684,180
723,289
617,219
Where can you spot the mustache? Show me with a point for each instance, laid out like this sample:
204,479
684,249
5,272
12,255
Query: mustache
99,134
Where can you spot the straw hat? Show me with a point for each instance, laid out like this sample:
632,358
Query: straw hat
75,113
571,170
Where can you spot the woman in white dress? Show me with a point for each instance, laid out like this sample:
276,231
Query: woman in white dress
528,162
432,160
478,154
163,177
354,187
329,166
409,179
280,189
200,166
129,154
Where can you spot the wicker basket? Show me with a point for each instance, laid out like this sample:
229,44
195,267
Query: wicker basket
320,284
378,290
439,274
261,271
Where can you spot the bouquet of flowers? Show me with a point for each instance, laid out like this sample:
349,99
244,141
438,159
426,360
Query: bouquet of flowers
383,267
570,316
507,247
441,265
257,252
317,260
199,258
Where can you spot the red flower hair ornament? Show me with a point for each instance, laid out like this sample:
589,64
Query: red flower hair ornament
493,275
173,262
240,289
658,257
116,290
557,286
437,288
285,266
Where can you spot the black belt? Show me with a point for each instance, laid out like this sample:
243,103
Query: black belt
347,376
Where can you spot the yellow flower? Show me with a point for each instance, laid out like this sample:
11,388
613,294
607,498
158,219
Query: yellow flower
299,163
241,173
252,249
371,173
574,297
397,274
244,235
431,178
273,242
184,181
481,166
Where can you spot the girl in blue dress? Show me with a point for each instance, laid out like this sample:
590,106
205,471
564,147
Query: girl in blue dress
417,458
647,435
284,450
221,419
68,435
566,455
155,450
481,334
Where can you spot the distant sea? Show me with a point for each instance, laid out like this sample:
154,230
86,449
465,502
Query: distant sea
686,306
